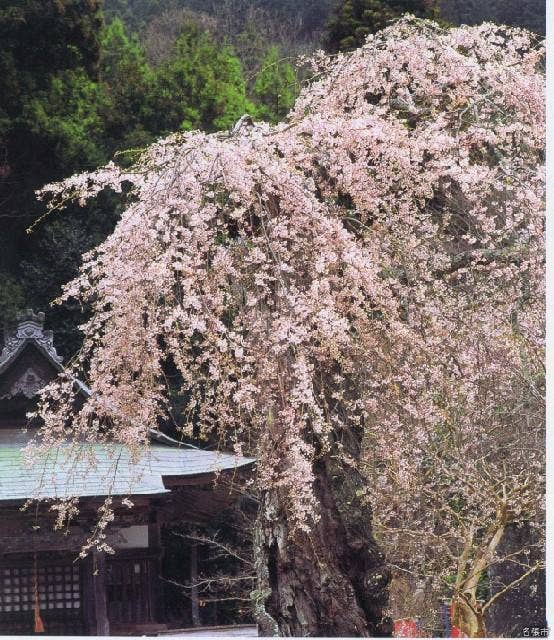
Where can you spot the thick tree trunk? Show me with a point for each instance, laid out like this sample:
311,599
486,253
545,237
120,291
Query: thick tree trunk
469,618
330,582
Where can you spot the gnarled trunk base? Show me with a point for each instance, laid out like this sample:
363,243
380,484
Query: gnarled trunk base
469,619
330,582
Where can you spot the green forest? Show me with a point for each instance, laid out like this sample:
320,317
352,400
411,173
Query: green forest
83,82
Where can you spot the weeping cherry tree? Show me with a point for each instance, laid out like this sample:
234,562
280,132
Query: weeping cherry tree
307,279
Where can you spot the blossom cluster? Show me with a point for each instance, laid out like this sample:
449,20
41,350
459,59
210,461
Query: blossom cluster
374,263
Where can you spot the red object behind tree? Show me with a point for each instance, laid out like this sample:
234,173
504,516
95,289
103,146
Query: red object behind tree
406,628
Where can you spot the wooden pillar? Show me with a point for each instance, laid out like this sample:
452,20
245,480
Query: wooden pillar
101,601
94,592
87,600
155,586
194,588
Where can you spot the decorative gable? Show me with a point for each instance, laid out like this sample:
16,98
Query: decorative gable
30,330
27,363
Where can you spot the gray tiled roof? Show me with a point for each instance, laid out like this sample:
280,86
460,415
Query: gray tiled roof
104,469
101,469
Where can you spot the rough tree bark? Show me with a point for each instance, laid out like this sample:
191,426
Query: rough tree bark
330,582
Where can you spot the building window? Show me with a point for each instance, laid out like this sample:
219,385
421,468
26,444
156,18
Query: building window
58,588
59,596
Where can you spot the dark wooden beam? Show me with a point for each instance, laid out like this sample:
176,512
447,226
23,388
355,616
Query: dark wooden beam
185,481
225,476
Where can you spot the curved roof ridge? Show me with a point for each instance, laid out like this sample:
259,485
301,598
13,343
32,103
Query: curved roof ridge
156,435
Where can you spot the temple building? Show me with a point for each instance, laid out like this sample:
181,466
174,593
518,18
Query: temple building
44,585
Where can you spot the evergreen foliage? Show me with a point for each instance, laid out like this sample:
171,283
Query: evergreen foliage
275,87
49,52
128,84
353,20
201,85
